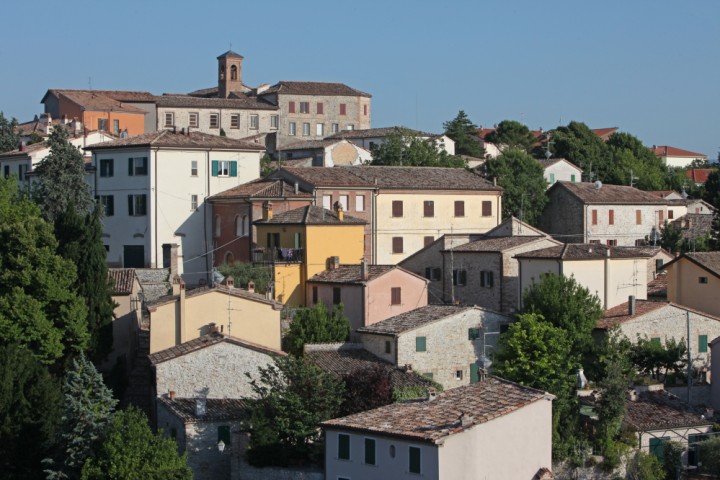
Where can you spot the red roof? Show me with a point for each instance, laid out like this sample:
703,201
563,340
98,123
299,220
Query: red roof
699,175
604,133
666,151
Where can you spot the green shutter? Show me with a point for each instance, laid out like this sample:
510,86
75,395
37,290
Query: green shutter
343,446
572,178
657,448
369,451
233,169
655,340
552,178
702,344
224,434
474,373
215,168
130,205
473,333
130,167
414,460
428,375
420,344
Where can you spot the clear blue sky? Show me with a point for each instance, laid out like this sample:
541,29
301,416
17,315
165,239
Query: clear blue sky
649,67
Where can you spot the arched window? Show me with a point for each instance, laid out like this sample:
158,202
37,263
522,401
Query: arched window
217,225
229,258
233,72
222,72
238,226
246,225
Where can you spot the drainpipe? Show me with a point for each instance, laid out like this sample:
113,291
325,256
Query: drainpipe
500,280
607,279
208,265
155,167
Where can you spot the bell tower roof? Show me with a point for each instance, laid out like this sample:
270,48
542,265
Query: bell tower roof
230,53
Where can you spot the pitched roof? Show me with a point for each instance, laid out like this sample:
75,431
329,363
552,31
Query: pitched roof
657,288
381,132
709,261
123,279
235,292
216,409
350,274
588,193
588,251
286,87
604,133
99,102
694,225
310,144
262,188
238,100
549,162
660,410
119,95
496,244
341,359
432,420
311,215
166,138
699,175
667,151
415,319
621,313
205,341
230,53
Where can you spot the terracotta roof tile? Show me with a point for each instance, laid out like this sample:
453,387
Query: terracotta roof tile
710,261
166,138
203,342
285,87
608,194
694,225
657,288
549,162
431,420
239,101
311,215
660,410
587,251
310,144
123,279
621,313
496,244
216,409
235,292
94,100
667,151
262,188
414,319
119,95
351,274
381,132
604,133
699,175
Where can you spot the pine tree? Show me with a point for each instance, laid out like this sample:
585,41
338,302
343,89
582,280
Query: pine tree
464,132
9,138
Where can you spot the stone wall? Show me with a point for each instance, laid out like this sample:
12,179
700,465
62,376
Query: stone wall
563,216
182,120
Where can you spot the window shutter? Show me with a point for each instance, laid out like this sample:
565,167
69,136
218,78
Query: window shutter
420,344
428,273
215,168
428,240
638,217
474,373
490,279
397,244
144,165
110,206
703,344
594,217
130,205
611,217
397,208
459,208
224,434
314,295
130,167
429,208
414,460
233,169
487,208
369,451
320,108
343,446
463,277
437,273
482,279
396,296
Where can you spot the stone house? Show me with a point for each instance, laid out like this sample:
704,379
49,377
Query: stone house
491,429
693,279
611,273
609,214
327,153
371,137
369,293
560,170
442,342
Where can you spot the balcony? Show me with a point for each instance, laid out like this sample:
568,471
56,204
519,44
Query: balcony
278,255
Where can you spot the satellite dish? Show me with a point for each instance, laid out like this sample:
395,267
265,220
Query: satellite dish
598,184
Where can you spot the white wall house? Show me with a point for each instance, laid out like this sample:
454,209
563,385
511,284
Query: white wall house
371,137
153,187
559,169
677,157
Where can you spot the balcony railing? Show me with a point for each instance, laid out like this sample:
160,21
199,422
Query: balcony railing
279,255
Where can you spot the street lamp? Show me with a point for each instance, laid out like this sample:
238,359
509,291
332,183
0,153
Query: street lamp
221,446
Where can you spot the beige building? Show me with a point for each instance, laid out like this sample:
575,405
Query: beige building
693,279
127,295
611,273
493,429
326,153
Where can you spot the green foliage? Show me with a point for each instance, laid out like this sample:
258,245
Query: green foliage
317,325
672,454
712,189
512,134
617,370
628,153
9,139
464,132
266,165
80,240
410,392
522,178
404,148
643,466
38,306
578,144
131,451
671,239
366,389
652,357
292,397
61,178
30,400
709,455
242,273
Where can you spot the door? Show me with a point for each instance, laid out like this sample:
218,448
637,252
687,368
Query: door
474,373
133,256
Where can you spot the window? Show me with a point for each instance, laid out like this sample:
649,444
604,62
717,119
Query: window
397,244
350,127
235,120
337,295
193,168
473,333
233,72
327,202
214,120
102,124
291,128
459,277
428,375
224,168
22,171
486,279
193,202
572,177
428,240
657,447
314,295
365,109
433,273
343,109
420,344
137,166
107,167
116,127
395,296
458,374
487,208
254,122
343,446
7,171
703,344
414,460
169,119
594,217
659,262
428,208
108,203
304,107
638,217
224,434
344,201
703,280
291,107
369,451
319,129
612,243
335,128
388,346
397,208
611,217
319,108
459,208
661,216
306,129
359,203
137,205
671,214
594,242
274,121
193,119
655,340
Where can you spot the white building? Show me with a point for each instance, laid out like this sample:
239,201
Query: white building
559,169
371,137
677,157
153,187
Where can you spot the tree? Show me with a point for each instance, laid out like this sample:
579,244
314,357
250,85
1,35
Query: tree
292,397
242,273
629,157
131,451
465,135
38,306
317,325
709,455
712,189
80,240
366,389
643,466
652,357
61,178
88,409
9,138
512,134
578,144
404,148
30,400
715,232
522,177
671,239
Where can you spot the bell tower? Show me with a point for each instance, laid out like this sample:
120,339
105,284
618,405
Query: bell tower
229,73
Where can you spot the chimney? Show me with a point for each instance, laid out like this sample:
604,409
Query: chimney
171,394
200,407
581,379
466,420
251,286
631,305
212,328
363,269
229,281
408,367
297,188
632,395
170,258
179,283
340,213
431,394
267,211
334,263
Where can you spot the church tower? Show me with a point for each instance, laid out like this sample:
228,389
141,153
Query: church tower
229,73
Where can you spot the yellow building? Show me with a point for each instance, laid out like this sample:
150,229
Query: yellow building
303,242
